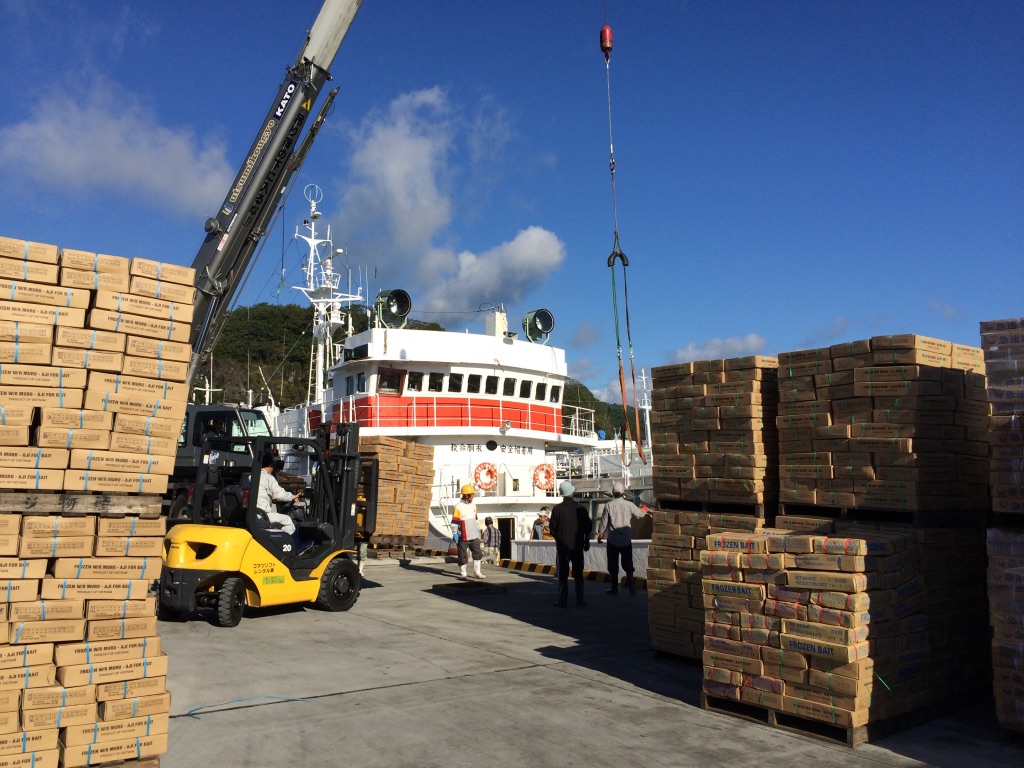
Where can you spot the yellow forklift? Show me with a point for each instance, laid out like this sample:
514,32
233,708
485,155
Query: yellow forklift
230,555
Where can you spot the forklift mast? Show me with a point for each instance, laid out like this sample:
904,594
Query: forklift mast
277,152
353,485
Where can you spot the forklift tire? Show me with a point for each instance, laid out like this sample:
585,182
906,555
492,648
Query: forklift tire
339,586
230,602
180,510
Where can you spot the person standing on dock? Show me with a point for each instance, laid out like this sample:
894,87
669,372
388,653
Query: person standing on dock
540,524
615,523
570,525
465,517
491,540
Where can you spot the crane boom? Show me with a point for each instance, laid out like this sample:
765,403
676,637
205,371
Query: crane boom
233,235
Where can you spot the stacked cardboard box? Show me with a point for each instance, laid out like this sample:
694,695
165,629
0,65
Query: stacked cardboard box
93,355
83,676
403,493
892,422
715,431
951,563
33,311
1003,344
1006,611
804,624
674,571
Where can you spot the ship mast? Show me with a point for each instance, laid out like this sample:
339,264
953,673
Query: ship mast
322,291
645,406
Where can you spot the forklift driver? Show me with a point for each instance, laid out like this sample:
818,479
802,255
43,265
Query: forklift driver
215,429
270,492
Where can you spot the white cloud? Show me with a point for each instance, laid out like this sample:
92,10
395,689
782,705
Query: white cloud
715,349
105,140
828,334
949,312
585,335
583,368
398,166
612,391
505,273
399,208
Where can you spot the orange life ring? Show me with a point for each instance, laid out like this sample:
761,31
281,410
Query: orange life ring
485,476
544,477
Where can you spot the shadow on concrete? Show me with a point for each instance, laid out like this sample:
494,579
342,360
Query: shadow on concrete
612,638
609,633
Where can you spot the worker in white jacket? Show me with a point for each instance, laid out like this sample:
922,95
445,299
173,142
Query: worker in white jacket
271,491
466,531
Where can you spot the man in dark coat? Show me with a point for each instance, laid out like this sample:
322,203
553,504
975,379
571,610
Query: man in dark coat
570,524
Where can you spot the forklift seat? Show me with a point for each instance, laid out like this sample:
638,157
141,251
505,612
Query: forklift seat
232,509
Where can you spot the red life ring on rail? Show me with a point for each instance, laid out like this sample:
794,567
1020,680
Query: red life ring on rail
544,477
486,476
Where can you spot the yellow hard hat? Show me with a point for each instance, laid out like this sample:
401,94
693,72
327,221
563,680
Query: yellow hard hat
467,489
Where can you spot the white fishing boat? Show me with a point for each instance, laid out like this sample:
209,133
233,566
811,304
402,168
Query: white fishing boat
489,404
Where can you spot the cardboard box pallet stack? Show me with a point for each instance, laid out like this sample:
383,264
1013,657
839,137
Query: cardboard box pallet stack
715,449
1003,343
93,355
675,599
403,492
82,671
893,429
1006,613
92,365
805,624
714,431
896,422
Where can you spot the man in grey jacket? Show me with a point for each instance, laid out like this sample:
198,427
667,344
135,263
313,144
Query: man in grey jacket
616,525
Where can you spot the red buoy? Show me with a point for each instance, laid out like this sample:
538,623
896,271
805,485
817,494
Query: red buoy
606,41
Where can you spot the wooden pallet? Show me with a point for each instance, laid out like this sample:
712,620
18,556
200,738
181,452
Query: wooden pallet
80,503
783,721
920,518
389,541
823,731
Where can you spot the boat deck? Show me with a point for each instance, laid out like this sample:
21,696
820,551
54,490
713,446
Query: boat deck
414,676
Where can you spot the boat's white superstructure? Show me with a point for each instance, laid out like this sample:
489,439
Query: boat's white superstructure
490,404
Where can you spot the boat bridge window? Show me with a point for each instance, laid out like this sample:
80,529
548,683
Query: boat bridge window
360,382
525,387
542,391
436,382
454,382
491,385
350,385
389,380
473,383
556,394
510,387
414,381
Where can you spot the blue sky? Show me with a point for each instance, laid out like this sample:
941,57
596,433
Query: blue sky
789,174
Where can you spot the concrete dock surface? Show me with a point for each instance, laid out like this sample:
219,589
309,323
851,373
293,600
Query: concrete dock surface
416,677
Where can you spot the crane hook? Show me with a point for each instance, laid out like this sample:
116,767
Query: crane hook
606,42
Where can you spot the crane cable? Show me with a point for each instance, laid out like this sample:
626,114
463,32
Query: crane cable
618,256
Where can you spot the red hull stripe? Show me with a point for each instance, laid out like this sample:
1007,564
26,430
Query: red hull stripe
404,412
